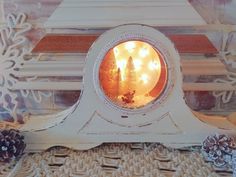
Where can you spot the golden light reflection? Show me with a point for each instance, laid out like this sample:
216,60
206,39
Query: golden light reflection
116,51
130,46
133,74
144,78
152,65
137,64
143,52
121,63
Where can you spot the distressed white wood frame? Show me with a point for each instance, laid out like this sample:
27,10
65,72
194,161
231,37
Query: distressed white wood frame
93,119
75,67
90,14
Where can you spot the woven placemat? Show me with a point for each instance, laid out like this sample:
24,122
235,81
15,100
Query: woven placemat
117,160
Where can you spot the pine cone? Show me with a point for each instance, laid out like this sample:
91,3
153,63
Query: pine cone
11,145
217,147
234,162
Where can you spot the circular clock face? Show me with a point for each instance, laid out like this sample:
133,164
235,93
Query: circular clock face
133,74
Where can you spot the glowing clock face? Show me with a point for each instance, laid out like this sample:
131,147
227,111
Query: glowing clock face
133,74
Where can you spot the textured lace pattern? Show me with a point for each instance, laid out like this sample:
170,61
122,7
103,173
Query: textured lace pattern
118,160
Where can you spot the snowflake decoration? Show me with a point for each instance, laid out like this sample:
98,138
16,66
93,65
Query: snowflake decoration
37,95
226,95
230,62
12,50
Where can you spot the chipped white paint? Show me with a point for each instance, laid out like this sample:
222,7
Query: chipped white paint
65,67
76,127
106,14
72,127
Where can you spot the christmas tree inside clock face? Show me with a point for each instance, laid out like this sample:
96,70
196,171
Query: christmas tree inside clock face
133,74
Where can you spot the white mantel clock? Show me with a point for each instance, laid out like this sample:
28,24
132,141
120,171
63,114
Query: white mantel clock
131,86
132,92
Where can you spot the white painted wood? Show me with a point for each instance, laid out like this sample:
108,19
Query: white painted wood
217,27
48,86
38,121
201,61
54,64
165,125
64,61
78,86
59,57
57,72
208,87
74,71
195,65
199,65
63,67
71,127
204,71
110,13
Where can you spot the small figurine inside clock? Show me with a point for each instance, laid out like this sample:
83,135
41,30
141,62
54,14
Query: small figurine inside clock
133,74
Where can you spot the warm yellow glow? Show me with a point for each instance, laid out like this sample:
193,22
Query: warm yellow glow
153,65
130,46
116,51
144,78
137,64
121,64
130,74
143,52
